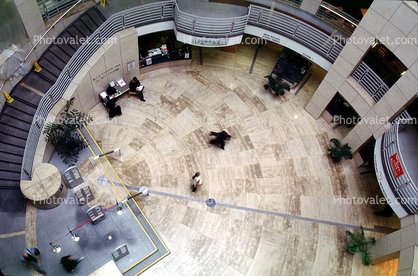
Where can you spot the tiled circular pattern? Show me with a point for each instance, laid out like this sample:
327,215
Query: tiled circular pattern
277,161
102,180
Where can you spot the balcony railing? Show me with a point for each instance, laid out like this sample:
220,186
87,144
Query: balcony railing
370,81
293,3
190,24
401,184
50,8
337,18
297,30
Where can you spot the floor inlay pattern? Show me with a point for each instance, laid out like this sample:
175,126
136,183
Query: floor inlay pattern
276,162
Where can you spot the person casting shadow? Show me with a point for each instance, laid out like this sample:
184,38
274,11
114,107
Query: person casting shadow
69,263
220,138
113,108
30,256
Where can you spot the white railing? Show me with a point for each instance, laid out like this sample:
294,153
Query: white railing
50,8
402,186
209,27
337,18
370,81
297,30
189,24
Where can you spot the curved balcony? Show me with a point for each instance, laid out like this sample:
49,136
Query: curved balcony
167,11
396,160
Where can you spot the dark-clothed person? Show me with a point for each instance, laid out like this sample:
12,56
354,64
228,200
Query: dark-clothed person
134,85
113,108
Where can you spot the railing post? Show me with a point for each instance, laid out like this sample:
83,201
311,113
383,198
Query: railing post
232,27
194,21
296,30
162,12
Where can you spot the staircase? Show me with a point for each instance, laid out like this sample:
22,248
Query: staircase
16,117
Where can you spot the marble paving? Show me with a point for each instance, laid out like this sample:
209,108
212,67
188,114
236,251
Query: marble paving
276,161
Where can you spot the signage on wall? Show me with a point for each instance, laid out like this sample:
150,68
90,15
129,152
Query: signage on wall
396,164
111,70
131,65
307,56
272,38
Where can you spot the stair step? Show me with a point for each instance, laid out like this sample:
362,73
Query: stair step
11,167
77,35
13,121
12,149
11,111
39,83
24,94
7,139
67,46
57,51
14,132
57,61
98,20
9,185
6,175
89,23
11,158
50,67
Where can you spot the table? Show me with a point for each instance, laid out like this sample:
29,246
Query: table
122,89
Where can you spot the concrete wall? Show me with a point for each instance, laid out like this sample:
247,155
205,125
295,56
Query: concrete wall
402,244
395,22
310,6
109,63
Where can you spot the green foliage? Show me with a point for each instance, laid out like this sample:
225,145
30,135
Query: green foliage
338,150
359,243
276,85
63,133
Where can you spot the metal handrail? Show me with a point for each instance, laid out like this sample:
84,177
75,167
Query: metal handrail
402,186
40,39
159,12
370,81
336,17
295,29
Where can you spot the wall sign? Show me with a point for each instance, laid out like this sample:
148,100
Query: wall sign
131,65
396,164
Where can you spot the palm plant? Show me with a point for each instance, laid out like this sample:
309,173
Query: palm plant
63,134
359,243
338,150
276,85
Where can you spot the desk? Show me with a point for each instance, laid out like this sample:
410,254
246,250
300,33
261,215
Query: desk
120,91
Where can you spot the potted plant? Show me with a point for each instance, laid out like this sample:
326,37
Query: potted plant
338,150
359,243
63,134
276,85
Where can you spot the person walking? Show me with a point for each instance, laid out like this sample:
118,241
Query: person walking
30,256
220,138
69,263
135,86
196,181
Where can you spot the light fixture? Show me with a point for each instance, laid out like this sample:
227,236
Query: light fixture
56,248
403,73
74,237
375,42
119,209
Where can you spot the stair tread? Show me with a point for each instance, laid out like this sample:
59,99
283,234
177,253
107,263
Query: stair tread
89,23
70,50
96,17
14,113
50,67
12,149
6,120
16,107
54,59
7,157
7,175
7,139
14,132
26,95
34,80
60,53
6,166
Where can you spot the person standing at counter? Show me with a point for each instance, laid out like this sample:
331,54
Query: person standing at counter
135,86
113,108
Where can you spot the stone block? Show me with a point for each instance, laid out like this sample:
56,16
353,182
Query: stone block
360,106
352,54
348,92
373,22
404,18
28,10
383,109
388,35
343,66
334,78
407,84
394,242
408,236
363,132
386,8
406,258
407,53
314,110
395,98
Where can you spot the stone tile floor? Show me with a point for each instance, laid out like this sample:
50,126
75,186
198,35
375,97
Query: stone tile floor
277,161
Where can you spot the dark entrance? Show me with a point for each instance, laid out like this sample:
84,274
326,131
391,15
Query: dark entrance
342,111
